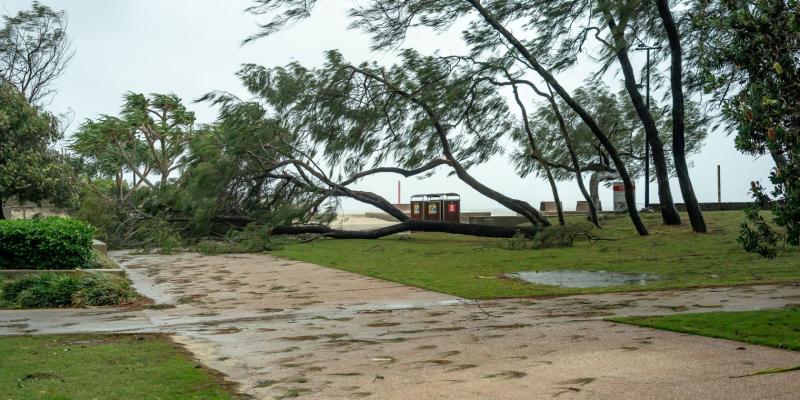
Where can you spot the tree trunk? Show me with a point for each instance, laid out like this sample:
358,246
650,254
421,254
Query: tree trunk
668,211
594,186
2,214
374,200
562,126
518,206
554,188
410,225
535,150
630,198
678,123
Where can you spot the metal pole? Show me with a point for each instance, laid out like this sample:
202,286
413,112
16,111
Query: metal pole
719,185
647,143
398,193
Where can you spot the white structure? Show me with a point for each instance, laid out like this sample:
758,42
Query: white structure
619,196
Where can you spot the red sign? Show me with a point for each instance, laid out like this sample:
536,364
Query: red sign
620,187
451,207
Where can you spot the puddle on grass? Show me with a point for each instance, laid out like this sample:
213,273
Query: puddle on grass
583,279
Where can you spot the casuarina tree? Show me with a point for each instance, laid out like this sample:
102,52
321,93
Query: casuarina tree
552,49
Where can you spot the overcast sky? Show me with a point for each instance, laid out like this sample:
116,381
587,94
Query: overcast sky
190,47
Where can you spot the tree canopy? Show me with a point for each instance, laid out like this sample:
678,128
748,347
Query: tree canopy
749,61
30,169
34,50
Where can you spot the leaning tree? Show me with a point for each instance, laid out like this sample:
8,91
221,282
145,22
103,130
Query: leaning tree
584,153
343,122
34,50
422,113
548,38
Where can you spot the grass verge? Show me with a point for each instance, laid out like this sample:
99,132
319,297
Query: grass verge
473,267
103,367
774,328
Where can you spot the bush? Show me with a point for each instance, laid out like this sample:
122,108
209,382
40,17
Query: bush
49,243
52,290
103,290
41,291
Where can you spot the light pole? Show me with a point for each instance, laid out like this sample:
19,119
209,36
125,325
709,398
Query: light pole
643,47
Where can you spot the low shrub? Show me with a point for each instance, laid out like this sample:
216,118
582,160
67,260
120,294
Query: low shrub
103,290
551,237
41,291
48,243
51,290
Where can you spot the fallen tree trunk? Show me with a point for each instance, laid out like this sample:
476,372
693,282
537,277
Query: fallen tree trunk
409,225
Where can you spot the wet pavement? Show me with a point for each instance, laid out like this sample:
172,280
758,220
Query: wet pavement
283,328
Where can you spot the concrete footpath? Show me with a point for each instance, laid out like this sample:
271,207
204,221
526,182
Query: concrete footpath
284,328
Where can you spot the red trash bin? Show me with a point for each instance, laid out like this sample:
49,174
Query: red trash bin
452,208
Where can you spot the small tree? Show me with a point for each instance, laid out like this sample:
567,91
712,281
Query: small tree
148,139
30,169
34,50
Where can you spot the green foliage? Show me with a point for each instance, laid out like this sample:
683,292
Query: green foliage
51,290
102,261
49,243
97,208
150,137
156,235
254,239
30,170
615,114
756,234
103,290
34,50
748,60
550,237
40,290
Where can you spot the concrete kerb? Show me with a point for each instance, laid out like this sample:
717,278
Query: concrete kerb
16,273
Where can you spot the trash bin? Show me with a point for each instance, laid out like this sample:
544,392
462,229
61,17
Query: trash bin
452,208
432,207
441,207
417,205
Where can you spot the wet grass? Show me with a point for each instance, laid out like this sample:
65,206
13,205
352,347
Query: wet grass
774,328
473,267
102,367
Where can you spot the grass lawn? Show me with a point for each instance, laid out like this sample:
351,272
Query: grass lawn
775,328
470,267
102,367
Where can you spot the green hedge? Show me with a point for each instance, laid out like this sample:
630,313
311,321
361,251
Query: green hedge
49,243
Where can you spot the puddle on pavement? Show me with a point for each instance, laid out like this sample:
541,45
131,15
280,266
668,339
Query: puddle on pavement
583,279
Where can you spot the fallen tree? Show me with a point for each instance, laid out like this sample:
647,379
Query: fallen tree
406,226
